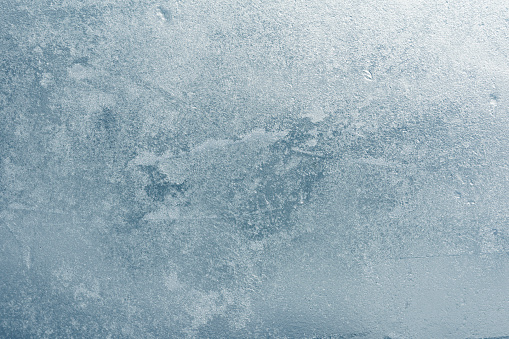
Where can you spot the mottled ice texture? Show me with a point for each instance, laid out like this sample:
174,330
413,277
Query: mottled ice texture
249,169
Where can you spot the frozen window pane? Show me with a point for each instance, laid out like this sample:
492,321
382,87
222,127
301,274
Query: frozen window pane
232,169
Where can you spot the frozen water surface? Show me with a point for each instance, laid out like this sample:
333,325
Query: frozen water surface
247,169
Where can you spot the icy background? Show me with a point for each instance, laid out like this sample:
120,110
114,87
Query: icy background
222,169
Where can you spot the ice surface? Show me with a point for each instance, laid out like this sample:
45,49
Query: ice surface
233,169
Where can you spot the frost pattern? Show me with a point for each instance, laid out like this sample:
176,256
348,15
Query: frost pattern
247,169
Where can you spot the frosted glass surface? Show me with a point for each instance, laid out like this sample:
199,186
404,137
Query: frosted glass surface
254,169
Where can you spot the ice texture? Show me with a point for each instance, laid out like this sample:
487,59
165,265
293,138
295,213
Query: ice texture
249,169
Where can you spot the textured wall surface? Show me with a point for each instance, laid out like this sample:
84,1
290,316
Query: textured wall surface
249,169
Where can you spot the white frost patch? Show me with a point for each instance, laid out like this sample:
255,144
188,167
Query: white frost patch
46,79
80,72
212,145
315,114
146,159
204,307
86,293
171,282
378,162
177,169
262,136
181,167
311,143
164,213
257,137
257,246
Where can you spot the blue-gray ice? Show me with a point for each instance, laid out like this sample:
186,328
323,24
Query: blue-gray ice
254,169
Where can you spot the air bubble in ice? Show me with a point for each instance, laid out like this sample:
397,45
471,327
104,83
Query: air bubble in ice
164,14
367,75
